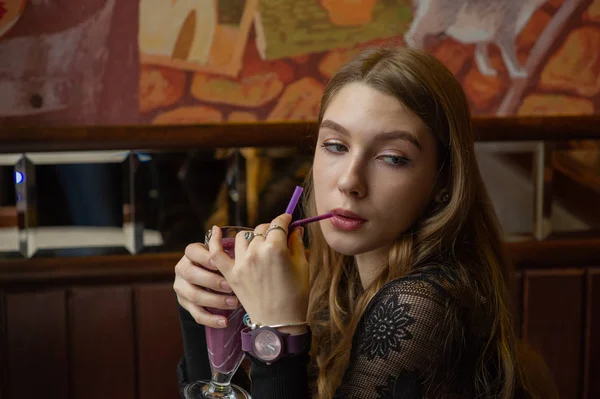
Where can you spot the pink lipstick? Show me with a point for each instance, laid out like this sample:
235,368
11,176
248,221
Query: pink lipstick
346,220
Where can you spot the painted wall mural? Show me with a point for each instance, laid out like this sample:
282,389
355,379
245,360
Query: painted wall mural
221,61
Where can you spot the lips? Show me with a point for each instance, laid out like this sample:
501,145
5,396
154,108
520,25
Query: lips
346,220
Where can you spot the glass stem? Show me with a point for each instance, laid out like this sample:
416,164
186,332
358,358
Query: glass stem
220,389
222,379
220,384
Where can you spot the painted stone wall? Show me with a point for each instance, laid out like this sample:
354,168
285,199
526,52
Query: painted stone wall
219,61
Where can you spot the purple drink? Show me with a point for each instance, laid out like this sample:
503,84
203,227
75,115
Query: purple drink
225,344
228,244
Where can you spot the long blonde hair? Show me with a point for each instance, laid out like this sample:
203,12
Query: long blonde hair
464,232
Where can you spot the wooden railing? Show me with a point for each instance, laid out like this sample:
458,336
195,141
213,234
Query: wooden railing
30,273
293,134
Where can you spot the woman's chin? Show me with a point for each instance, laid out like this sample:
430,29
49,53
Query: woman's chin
346,251
344,247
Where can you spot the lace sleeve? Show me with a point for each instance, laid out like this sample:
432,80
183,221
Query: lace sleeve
399,342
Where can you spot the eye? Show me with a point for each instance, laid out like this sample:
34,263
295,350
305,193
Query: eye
334,148
395,160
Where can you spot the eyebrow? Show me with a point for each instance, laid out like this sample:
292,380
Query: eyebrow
392,135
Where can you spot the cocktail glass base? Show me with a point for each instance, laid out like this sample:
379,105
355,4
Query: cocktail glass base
205,390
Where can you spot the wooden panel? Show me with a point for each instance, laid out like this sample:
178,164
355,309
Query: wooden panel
293,134
592,352
102,348
159,340
30,273
516,301
166,137
554,253
3,349
553,324
37,345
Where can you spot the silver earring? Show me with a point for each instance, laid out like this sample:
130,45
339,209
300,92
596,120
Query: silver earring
443,197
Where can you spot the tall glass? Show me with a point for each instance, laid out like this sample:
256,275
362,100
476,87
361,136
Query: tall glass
224,344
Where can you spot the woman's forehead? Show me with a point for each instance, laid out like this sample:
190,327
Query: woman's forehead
359,108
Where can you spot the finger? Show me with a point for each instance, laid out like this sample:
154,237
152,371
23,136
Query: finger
242,241
201,297
201,277
259,234
296,245
202,316
261,228
280,235
219,259
198,254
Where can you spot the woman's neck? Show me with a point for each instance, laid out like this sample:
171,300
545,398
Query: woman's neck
370,264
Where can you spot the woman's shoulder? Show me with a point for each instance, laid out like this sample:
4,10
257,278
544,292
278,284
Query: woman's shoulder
432,282
421,322
438,293
410,322
422,300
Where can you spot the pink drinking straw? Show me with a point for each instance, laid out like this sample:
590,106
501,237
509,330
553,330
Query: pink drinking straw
294,201
292,205
302,222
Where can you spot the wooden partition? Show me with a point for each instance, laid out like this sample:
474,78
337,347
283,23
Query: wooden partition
291,134
89,328
107,327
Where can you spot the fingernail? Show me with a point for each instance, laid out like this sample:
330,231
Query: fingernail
301,231
231,301
225,285
214,229
222,322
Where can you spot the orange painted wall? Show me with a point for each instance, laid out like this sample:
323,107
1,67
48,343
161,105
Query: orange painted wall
219,61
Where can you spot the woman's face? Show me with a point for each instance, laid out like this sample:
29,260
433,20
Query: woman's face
374,167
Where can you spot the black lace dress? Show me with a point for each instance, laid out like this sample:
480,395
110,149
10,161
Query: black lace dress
415,340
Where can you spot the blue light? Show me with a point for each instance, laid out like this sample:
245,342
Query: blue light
144,157
19,177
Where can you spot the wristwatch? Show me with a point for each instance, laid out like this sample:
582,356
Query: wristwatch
269,344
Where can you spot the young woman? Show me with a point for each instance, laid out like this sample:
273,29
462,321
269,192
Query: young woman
404,290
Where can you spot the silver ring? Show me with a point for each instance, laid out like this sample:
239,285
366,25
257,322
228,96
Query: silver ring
249,235
275,227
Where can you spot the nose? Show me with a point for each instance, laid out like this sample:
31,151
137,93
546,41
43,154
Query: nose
352,180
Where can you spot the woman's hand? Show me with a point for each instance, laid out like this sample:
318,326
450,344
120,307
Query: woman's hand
191,281
269,275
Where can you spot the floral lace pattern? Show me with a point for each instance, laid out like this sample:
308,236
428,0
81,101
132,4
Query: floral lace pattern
399,344
386,328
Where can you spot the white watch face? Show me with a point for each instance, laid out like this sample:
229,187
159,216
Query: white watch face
267,345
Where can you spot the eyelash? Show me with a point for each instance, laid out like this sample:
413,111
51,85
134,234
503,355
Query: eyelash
399,161
327,147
